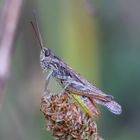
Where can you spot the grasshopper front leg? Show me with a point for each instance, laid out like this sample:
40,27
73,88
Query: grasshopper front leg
46,90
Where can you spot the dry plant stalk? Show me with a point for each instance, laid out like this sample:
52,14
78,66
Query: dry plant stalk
65,119
8,26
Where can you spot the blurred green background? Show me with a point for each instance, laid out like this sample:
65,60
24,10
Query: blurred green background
99,39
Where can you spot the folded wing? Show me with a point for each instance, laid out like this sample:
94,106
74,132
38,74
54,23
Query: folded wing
97,96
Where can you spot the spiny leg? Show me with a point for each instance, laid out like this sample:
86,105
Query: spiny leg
46,90
65,86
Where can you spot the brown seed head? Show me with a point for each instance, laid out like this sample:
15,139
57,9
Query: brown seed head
65,119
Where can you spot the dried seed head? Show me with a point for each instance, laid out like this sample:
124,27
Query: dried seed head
65,119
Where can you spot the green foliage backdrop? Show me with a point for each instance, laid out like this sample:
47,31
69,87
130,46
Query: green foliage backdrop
100,40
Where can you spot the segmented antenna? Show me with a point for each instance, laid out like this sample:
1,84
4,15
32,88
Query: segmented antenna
37,32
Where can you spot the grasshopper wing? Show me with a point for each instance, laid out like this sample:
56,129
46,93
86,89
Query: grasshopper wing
97,96
80,86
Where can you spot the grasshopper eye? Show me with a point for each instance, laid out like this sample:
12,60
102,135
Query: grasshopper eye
47,53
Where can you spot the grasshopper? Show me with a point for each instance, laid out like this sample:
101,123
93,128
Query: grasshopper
72,82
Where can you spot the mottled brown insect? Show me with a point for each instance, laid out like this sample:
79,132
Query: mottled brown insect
73,83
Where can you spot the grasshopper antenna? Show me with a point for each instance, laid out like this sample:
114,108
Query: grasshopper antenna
37,31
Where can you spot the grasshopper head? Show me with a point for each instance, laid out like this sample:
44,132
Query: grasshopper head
45,58
48,60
